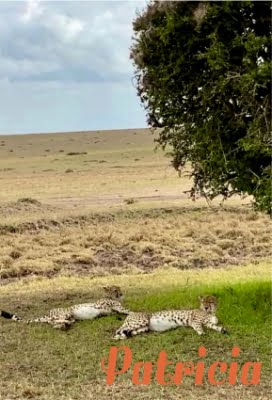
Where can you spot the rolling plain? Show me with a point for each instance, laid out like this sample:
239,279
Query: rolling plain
82,210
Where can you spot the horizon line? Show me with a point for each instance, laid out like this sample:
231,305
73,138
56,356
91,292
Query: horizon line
70,132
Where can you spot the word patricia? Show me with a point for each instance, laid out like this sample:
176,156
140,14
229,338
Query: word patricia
218,373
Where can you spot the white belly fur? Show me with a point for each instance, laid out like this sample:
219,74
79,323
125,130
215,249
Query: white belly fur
160,324
86,311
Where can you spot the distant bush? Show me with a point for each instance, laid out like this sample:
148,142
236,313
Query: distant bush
15,254
130,201
28,200
75,153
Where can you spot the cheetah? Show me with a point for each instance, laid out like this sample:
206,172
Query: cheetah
137,323
62,318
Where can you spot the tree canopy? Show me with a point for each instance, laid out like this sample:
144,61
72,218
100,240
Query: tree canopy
203,74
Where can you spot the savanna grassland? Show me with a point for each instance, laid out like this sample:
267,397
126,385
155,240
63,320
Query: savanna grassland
82,210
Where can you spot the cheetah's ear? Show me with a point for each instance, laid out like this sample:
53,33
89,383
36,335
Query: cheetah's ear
215,297
200,298
105,288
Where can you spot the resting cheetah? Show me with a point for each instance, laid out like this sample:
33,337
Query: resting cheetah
62,318
136,323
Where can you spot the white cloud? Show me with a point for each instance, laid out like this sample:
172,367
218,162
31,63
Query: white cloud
33,9
64,27
92,37
74,45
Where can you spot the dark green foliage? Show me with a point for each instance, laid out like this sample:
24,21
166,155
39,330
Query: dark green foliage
203,73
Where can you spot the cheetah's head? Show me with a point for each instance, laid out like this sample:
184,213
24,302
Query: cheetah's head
113,292
208,303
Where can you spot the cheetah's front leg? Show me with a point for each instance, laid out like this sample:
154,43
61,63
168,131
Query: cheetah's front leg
217,328
213,324
197,326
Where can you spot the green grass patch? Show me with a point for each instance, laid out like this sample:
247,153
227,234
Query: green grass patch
52,364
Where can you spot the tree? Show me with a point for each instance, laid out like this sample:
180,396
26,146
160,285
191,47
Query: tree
203,74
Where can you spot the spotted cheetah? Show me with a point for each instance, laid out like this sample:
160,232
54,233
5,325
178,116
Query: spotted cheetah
62,318
137,323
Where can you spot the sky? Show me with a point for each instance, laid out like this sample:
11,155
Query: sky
64,66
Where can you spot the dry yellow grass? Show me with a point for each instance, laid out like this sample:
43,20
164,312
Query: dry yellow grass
126,390
103,243
119,209
167,277
105,168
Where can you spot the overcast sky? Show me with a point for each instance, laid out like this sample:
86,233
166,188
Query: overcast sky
64,66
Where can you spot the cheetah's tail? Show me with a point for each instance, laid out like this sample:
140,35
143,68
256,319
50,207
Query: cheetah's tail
9,315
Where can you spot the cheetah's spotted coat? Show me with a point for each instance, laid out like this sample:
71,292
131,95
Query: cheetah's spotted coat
137,323
62,318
